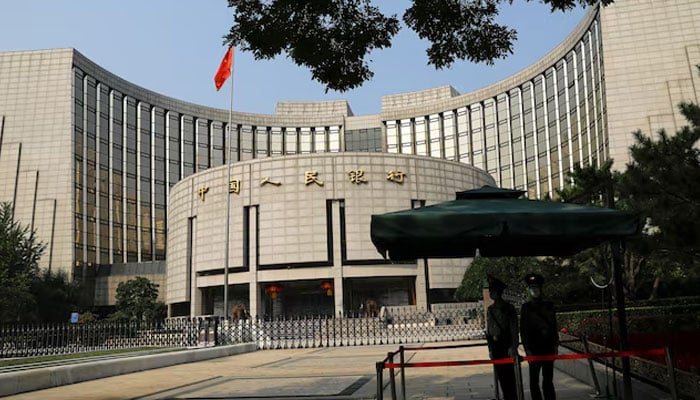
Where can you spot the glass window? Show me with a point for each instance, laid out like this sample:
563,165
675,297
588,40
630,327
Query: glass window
276,141
290,141
406,136
448,121
435,134
305,140
320,145
392,137
216,129
421,145
463,142
203,144
334,139
261,142
246,140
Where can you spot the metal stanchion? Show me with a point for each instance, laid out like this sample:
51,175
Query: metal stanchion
594,376
402,357
518,376
671,374
392,376
380,380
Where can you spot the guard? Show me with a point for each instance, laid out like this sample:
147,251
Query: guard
502,336
538,330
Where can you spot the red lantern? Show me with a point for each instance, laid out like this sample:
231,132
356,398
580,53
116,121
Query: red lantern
328,288
273,290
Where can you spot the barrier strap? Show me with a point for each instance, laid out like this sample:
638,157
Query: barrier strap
511,360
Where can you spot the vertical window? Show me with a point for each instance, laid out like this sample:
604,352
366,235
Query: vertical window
463,142
392,137
261,142
435,135
421,144
320,143
291,141
276,141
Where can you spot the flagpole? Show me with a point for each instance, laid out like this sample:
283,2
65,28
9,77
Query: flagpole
228,196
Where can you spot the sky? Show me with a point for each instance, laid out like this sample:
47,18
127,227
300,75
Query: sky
173,47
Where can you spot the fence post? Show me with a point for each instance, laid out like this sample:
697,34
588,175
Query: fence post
594,376
380,383
402,357
518,376
392,376
671,374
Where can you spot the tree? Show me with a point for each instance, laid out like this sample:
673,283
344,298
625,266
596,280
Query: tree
661,184
137,300
333,38
56,297
20,251
564,282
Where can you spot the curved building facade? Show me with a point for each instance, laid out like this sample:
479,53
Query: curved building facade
90,160
299,223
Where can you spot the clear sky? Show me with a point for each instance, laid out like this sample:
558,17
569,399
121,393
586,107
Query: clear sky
174,47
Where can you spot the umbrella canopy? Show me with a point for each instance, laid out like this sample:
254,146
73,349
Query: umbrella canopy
498,223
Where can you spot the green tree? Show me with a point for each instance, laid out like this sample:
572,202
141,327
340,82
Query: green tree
564,282
333,38
661,184
20,251
57,297
137,300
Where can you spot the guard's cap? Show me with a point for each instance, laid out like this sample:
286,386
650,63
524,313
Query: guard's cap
533,279
495,283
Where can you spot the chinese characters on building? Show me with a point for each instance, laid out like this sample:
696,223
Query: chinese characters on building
356,176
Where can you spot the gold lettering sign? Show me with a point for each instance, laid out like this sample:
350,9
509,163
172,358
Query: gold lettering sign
395,176
202,191
266,180
234,186
357,176
312,177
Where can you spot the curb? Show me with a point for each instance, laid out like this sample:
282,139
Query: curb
44,378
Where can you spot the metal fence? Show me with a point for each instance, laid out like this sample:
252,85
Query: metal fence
267,333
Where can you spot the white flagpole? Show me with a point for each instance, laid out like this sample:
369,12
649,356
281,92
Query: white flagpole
228,195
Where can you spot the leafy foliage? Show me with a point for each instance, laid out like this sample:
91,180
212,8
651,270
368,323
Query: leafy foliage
19,257
662,184
57,297
137,300
563,281
333,38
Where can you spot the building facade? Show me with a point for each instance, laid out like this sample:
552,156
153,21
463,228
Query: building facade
90,160
299,233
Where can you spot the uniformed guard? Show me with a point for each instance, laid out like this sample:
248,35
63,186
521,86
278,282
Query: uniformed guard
502,336
538,330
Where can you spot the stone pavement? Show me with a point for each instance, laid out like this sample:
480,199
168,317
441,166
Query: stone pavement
340,373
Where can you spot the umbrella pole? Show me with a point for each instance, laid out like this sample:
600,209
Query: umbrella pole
621,317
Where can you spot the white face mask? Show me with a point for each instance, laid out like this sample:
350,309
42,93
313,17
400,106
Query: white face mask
534,291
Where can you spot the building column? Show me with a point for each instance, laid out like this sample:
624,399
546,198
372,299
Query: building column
421,284
337,268
254,297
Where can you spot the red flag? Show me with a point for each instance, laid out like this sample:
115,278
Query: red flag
224,69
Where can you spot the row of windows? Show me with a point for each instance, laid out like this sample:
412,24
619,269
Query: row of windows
129,153
528,137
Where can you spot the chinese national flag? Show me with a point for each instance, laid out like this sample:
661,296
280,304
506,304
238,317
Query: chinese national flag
224,69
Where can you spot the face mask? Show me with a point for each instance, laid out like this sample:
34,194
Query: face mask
534,291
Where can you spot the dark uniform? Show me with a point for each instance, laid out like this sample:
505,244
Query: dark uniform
538,330
502,336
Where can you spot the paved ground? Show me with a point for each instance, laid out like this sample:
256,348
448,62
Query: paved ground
326,373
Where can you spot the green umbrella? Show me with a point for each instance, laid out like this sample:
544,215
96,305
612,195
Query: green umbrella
498,223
